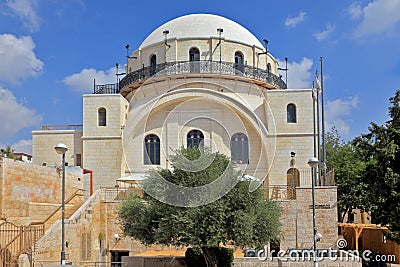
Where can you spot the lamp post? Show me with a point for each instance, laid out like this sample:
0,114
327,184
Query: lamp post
62,149
128,57
313,163
117,75
220,31
166,32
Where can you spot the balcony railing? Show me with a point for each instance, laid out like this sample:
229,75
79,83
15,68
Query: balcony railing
62,127
192,67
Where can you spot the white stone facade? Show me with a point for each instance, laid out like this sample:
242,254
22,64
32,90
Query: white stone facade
169,91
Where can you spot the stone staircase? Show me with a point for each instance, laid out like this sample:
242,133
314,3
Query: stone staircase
47,248
19,235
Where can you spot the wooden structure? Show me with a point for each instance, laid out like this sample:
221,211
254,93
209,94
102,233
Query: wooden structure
362,237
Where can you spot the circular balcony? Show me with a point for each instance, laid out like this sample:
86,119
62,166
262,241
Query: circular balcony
136,78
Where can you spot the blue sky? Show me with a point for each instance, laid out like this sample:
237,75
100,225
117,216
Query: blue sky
50,52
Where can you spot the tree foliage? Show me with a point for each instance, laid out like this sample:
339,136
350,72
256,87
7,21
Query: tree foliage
348,166
239,218
8,152
380,150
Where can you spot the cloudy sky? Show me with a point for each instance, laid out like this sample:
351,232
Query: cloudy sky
50,52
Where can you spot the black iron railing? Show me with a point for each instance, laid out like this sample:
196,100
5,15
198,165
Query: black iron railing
187,67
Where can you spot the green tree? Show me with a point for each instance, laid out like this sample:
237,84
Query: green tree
239,217
348,166
380,149
8,152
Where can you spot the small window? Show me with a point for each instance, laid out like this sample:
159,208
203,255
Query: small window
194,56
78,160
291,113
269,68
153,64
152,150
102,116
195,138
240,148
239,61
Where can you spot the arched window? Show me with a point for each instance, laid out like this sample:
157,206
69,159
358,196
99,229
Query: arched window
194,55
102,116
239,62
195,138
291,113
151,150
293,181
240,148
269,68
153,64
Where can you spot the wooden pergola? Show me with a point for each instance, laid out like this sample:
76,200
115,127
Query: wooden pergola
358,229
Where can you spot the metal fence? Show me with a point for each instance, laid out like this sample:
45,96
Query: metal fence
16,240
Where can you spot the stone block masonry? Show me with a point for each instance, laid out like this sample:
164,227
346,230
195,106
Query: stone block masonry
30,192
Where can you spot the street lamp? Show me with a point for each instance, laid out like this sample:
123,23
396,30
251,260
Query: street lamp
118,74
128,57
313,163
62,149
220,31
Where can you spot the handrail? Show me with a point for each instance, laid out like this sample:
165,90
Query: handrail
192,67
59,207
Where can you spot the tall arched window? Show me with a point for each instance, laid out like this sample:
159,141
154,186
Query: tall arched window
269,68
195,138
153,64
194,55
293,181
102,116
240,148
291,113
239,61
151,150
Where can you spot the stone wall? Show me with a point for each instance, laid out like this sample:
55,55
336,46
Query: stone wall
90,234
297,224
30,192
43,142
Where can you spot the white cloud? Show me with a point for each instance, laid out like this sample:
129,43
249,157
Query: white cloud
378,17
17,59
325,33
355,10
23,146
293,21
26,10
337,112
83,81
14,116
299,74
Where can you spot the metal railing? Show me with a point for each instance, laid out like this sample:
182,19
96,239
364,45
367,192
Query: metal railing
117,194
18,239
192,67
62,127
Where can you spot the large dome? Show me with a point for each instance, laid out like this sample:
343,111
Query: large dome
202,26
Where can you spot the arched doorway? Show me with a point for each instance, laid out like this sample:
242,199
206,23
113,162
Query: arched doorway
293,181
